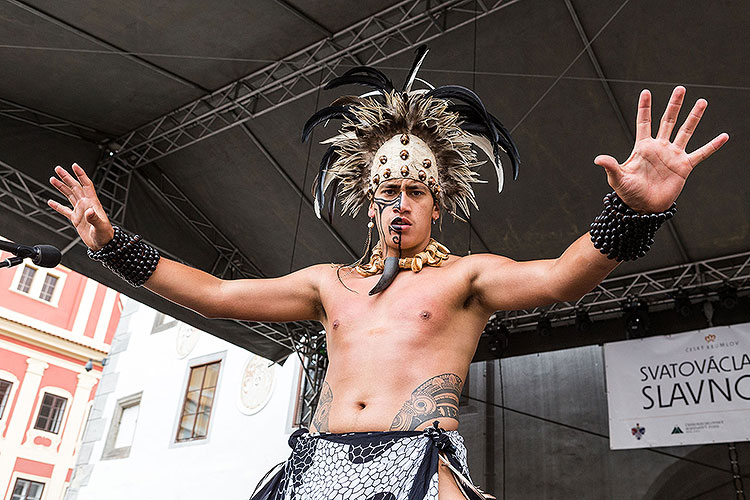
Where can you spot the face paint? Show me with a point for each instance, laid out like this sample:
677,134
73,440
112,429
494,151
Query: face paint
382,203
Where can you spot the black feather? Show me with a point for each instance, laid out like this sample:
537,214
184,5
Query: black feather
320,180
325,114
474,123
421,53
363,75
506,141
332,200
467,96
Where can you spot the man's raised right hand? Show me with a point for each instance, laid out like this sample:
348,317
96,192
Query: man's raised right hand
87,214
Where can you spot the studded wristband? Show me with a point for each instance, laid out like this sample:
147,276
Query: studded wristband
621,233
128,256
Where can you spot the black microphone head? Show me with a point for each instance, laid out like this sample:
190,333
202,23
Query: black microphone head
46,256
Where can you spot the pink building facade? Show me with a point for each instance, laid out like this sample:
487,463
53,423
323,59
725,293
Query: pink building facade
52,322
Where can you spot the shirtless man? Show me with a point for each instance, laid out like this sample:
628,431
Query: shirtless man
397,359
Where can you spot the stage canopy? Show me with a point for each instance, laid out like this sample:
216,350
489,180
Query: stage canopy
189,114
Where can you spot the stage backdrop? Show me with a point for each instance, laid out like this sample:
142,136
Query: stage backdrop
691,388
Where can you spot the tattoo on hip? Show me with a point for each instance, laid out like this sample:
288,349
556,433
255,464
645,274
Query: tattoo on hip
320,419
435,398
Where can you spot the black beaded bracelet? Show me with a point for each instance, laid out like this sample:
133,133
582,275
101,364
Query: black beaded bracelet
128,257
621,233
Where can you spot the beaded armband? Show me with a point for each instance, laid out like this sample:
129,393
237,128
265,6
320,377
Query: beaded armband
621,233
128,257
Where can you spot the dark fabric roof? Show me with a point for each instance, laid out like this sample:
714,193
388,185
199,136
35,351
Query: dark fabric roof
113,67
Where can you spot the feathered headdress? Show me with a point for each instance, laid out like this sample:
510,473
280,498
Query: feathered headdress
427,135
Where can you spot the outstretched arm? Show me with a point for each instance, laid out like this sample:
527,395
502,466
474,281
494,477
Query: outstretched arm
649,181
289,298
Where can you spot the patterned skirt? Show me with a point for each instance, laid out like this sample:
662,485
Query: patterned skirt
398,465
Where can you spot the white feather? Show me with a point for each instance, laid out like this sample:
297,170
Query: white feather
373,93
484,144
413,74
340,137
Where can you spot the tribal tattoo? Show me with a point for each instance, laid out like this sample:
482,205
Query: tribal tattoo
436,398
320,419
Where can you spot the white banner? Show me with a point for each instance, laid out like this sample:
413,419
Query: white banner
691,388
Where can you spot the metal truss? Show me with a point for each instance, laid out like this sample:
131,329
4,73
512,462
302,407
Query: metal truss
27,197
370,41
231,262
14,111
702,279
314,366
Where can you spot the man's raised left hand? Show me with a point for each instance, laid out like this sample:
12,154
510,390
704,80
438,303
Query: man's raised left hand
654,174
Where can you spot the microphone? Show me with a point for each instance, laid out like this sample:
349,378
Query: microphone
41,255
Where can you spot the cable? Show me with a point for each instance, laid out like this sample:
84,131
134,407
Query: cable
592,433
502,402
549,89
395,68
474,88
304,181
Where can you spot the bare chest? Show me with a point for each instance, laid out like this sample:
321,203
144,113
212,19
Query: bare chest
418,306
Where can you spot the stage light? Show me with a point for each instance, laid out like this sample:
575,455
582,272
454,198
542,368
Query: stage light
544,326
498,337
682,303
90,364
636,318
583,321
728,297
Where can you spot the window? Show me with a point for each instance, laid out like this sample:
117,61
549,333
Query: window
162,322
48,288
122,430
199,398
27,490
42,284
4,393
27,276
50,413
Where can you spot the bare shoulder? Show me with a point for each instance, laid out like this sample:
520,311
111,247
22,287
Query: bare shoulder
475,264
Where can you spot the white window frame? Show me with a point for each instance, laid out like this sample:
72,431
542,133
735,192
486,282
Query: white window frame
28,477
38,281
55,438
110,452
4,419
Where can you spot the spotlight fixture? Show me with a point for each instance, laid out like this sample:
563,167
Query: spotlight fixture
682,303
636,318
544,326
498,337
90,364
728,297
583,321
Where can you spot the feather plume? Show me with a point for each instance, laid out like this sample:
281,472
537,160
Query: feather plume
484,144
451,120
421,52
363,75
325,114
320,180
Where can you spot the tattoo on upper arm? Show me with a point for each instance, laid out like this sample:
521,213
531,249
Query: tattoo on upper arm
435,398
320,419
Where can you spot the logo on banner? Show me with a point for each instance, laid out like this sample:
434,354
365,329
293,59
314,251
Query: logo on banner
710,337
677,430
638,431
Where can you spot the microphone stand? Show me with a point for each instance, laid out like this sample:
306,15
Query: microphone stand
11,261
